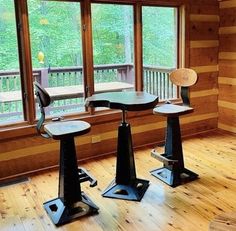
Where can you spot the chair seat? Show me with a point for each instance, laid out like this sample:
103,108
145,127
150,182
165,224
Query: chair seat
172,110
63,129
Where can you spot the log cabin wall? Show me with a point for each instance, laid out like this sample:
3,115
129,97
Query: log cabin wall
227,66
24,154
203,58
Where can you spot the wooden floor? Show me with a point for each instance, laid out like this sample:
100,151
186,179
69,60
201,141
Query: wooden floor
189,207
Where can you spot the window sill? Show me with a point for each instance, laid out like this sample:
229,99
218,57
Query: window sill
99,117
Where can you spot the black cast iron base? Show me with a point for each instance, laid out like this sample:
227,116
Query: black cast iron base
61,214
134,191
173,171
174,178
126,185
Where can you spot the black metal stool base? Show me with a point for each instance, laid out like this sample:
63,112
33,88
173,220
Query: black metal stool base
61,214
173,178
134,191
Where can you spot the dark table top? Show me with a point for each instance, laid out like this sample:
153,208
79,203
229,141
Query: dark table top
128,100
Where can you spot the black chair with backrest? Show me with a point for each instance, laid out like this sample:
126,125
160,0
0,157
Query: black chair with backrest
173,171
71,202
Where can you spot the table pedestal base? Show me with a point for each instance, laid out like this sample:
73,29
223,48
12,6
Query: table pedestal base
61,213
134,191
126,185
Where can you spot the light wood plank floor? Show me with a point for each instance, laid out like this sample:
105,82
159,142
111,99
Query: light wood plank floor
189,207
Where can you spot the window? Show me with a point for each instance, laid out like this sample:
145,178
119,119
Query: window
113,47
159,50
55,33
77,48
11,109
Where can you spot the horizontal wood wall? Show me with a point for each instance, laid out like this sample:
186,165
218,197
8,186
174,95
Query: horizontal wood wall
203,58
32,153
227,66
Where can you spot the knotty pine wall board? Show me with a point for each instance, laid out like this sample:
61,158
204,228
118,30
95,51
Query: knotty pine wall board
227,66
203,58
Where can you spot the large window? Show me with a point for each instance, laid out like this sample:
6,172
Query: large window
55,33
10,79
113,47
77,48
159,50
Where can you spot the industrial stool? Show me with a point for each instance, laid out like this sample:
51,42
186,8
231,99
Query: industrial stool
71,202
173,172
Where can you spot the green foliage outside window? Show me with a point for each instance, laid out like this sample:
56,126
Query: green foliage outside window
53,33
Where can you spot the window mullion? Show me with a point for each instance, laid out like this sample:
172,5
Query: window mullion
87,47
25,60
138,54
87,50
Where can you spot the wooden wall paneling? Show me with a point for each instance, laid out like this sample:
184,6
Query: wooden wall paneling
204,43
7,133
226,127
227,116
206,81
203,30
204,46
227,93
227,30
209,8
226,104
195,127
203,3
202,56
28,164
204,105
227,4
23,142
227,68
227,17
205,69
227,43
227,55
204,93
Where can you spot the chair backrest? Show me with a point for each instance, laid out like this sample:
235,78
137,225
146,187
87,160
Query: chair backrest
184,78
44,100
43,97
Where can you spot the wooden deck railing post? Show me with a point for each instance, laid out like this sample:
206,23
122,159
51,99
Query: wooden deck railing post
126,74
130,74
44,77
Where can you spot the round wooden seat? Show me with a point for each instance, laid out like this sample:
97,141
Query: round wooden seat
62,129
172,110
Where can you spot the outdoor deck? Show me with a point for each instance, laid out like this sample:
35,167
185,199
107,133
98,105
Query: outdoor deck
65,86
67,92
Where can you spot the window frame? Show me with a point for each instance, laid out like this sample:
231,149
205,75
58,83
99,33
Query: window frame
23,37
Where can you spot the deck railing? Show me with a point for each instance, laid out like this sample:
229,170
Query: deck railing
156,81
